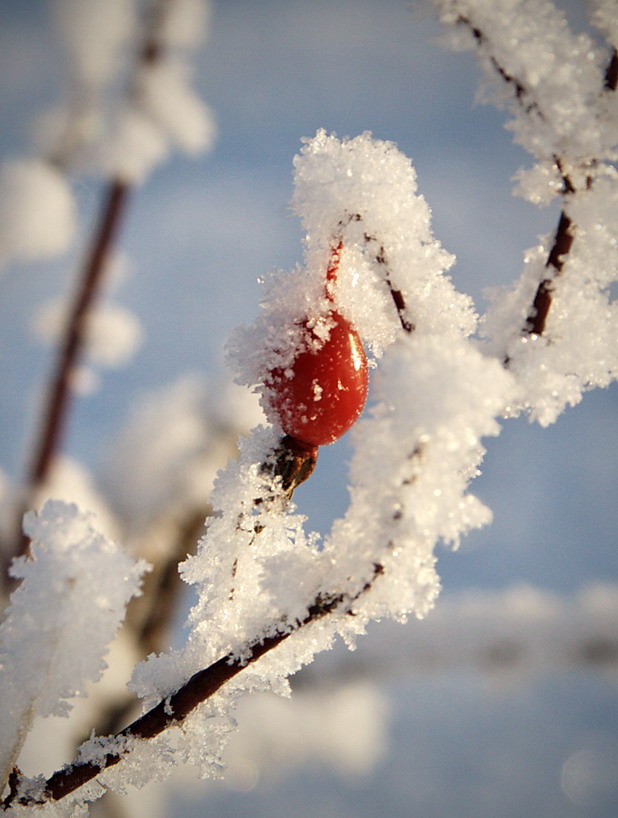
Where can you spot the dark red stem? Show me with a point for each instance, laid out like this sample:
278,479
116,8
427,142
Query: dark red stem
535,323
56,406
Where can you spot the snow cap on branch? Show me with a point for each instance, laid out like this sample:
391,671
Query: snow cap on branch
186,23
95,33
163,111
166,96
551,78
436,397
114,332
362,193
603,15
163,477
37,211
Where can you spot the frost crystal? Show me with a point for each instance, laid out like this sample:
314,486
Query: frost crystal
363,192
557,328
579,346
415,456
550,77
261,580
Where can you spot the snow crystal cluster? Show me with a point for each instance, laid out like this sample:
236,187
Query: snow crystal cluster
103,41
78,583
565,113
436,393
578,349
556,76
362,193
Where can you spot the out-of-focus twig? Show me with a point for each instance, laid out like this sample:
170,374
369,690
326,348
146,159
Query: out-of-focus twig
56,403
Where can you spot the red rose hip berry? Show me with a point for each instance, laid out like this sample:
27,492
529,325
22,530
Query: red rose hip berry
323,391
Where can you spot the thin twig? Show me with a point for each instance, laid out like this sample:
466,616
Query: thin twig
521,93
380,257
56,404
565,232
535,322
55,417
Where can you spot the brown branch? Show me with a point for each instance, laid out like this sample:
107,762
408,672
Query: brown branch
537,317
521,92
56,405
149,615
152,612
535,322
174,709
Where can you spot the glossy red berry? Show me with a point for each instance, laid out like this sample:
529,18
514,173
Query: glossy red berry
322,393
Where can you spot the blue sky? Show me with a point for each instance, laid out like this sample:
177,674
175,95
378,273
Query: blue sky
201,232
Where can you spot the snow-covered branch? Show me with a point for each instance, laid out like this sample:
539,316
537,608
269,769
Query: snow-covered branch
371,315
560,88
68,606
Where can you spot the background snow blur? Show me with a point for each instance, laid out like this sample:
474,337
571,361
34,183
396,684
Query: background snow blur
199,235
